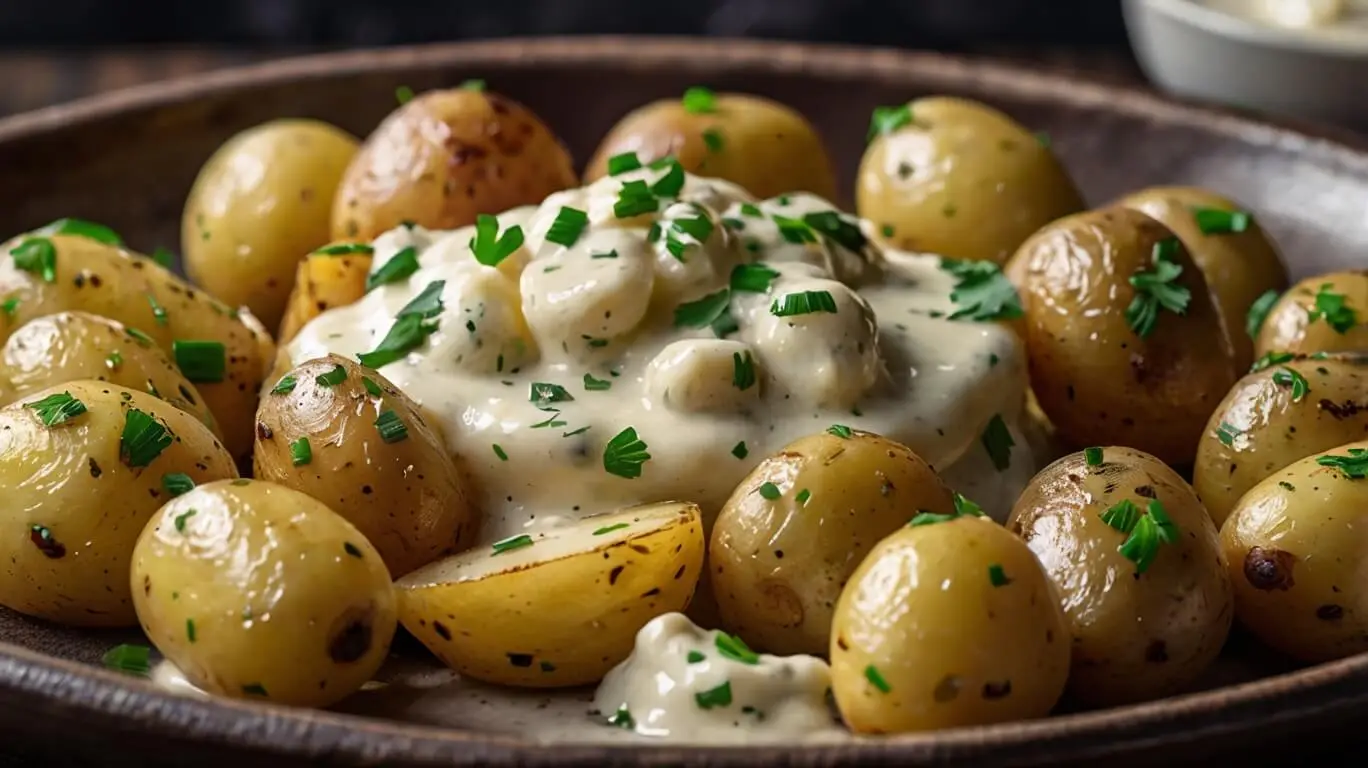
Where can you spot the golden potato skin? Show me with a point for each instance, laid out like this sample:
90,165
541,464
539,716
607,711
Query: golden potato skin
1096,379
1134,637
323,281
78,508
777,566
1259,427
1297,548
407,497
1289,327
261,202
445,157
953,646
1239,266
760,144
260,592
962,180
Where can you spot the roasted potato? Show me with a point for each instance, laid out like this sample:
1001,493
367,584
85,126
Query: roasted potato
255,591
960,179
559,608
332,276
1137,563
795,529
84,465
1105,373
760,144
1327,313
947,624
1297,549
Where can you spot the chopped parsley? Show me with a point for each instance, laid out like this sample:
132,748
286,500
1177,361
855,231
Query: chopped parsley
82,228
876,679
740,450
1354,466
399,267
699,100
568,226
697,229
965,507
623,163
37,255
802,497
543,394
1093,456
113,360
301,452
285,386
624,454
734,648
346,249
695,657
143,439
1258,311
721,696
840,430
1286,377
332,378
200,361
392,429
982,292
177,483
1271,359
703,312
10,306
411,328
838,228
490,249
805,303
57,408
886,120
1122,515
622,718
1334,309
1146,532
712,139
1155,290
511,543
769,491
592,384
997,576
743,371
129,659
752,278
499,451
997,440
164,257
1215,221
795,230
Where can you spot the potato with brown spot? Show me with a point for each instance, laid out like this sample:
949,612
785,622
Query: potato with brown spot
332,276
1325,313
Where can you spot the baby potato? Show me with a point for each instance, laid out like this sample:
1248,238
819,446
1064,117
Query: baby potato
84,465
332,276
261,202
348,437
960,179
764,146
444,157
1292,408
557,608
1103,372
947,624
795,529
1138,566
1327,313
1297,549
255,591
1238,260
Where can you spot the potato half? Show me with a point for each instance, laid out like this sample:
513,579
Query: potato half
333,276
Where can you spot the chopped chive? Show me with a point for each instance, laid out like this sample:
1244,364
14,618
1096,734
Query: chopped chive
703,312
998,577
57,408
158,311
392,429
301,452
752,278
129,659
997,440
399,267
721,696
611,528
804,303
200,361
190,630
82,228
695,657
1258,311
802,497
886,120
499,451
568,226
143,439
840,430
734,648
699,100
346,249
512,543
332,378
876,679
1093,456
489,248
623,163
177,483
1215,221
372,388
743,371
37,255
285,386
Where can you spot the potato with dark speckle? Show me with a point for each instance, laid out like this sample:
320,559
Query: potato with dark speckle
333,276
1326,313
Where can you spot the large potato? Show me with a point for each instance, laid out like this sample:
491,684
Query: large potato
84,465
444,157
332,276
960,179
1104,374
947,624
261,202
346,436
1137,563
795,529
760,144
1297,548
1276,415
561,608
1326,313
257,591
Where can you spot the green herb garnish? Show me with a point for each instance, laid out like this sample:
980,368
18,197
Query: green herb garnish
542,394
740,450
57,408
129,659
511,543
721,696
635,199
699,100
37,255
876,679
743,371
769,491
1334,309
399,267
712,139
403,94
158,311
998,577
499,451
795,230
611,528
1146,532
332,378
838,228
200,361
392,429
802,497
568,226
411,328
734,648
346,249
490,249
672,183
592,384
1354,466
473,84
624,454
1155,290
886,120
752,278
623,163
702,313
1258,311
372,388
1286,377
1215,221
1227,433
301,452
805,303
622,718
982,292
1093,456
82,228
164,257
1271,359
285,386
143,439
177,483
997,440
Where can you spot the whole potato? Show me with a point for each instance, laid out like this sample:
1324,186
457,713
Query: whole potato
960,179
346,436
1237,258
1098,379
84,466
332,276
1326,313
1294,407
257,591
1147,615
758,143
947,624
1297,548
795,529
444,157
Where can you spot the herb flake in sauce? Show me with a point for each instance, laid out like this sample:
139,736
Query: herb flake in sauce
489,247
511,543
624,454
399,267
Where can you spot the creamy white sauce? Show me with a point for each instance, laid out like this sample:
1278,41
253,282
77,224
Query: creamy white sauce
1332,18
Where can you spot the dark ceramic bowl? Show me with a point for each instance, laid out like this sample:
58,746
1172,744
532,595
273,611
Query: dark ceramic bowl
128,159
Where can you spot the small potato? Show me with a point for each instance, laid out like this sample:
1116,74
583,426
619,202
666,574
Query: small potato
1239,266
445,157
795,529
1289,410
333,276
255,591
960,179
559,608
262,201
1096,377
947,624
1297,548
1327,313
1146,625
78,492
346,436
764,146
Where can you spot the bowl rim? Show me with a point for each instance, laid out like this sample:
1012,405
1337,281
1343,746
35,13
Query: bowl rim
1245,30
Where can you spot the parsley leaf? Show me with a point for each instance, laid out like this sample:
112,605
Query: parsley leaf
982,292
1258,311
1155,290
625,453
889,119
1334,309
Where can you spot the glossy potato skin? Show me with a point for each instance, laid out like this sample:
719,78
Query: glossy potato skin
1097,380
257,591
1239,266
1134,638
777,566
69,479
962,180
954,648
445,157
407,497
261,202
1297,548
1268,430
1289,328
766,147
322,282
